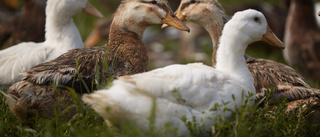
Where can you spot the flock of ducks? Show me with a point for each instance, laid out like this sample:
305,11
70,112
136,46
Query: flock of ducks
40,76
200,86
125,54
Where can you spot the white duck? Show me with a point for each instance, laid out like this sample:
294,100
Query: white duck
198,87
85,69
61,36
266,73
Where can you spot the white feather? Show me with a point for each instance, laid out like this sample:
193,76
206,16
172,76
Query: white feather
190,90
61,36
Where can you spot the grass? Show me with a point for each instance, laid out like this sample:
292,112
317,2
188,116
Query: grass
246,121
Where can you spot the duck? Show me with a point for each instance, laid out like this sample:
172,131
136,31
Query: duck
61,35
302,36
268,75
49,86
275,13
101,29
31,19
191,90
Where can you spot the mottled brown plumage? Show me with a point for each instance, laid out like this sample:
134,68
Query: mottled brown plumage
32,101
37,92
269,74
44,86
302,38
275,13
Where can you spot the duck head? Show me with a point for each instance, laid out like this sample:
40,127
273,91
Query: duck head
201,12
244,21
147,13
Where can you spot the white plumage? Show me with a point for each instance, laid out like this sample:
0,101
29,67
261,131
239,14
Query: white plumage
61,36
186,90
179,90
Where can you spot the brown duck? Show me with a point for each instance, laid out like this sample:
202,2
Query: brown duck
43,89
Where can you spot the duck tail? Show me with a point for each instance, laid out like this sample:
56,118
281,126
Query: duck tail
10,100
107,102
96,102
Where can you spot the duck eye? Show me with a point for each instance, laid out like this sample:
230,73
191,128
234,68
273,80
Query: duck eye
256,19
154,2
193,1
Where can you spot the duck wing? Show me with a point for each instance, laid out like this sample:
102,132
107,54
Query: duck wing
77,68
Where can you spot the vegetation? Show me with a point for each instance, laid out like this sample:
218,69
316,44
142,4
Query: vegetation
245,121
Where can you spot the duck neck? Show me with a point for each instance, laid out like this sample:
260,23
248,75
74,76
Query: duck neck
61,31
214,27
230,58
301,16
128,44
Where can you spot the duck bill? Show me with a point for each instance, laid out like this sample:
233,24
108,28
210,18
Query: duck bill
272,39
89,9
173,20
93,39
179,15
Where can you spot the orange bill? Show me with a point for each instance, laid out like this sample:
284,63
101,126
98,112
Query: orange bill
179,15
272,39
173,21
91,10
92,39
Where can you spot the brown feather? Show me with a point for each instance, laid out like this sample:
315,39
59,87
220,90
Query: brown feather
43,87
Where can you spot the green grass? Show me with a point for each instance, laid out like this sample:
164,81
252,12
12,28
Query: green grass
246,121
